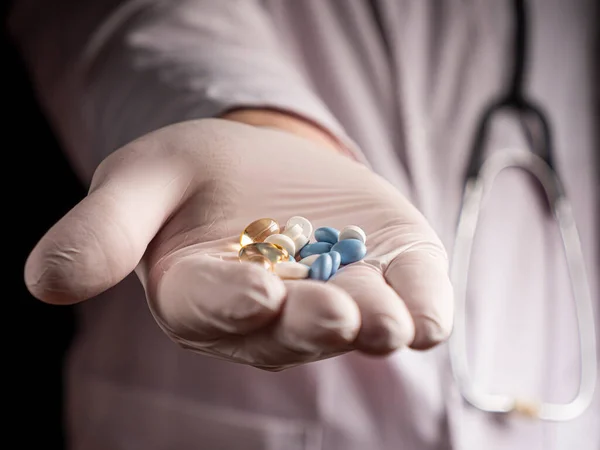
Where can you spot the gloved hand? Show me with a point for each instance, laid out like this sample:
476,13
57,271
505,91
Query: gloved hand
171,206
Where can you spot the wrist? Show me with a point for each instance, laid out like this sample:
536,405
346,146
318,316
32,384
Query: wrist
287,121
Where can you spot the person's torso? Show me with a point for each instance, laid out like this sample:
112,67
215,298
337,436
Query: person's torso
411,99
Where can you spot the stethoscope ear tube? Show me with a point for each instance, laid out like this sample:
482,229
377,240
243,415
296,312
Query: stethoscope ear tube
536,127
514,100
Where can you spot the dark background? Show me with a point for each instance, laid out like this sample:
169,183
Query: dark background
41,187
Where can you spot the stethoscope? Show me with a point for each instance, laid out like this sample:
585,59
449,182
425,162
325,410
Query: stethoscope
479,178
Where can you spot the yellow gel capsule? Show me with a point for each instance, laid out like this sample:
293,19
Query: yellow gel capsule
271,252
258,231
262,261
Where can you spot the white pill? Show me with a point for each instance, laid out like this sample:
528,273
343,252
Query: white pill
300,242
309,260
304,223
283,241
293,231
296,233
290,270
353,232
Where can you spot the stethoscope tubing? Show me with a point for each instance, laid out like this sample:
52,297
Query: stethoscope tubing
538,160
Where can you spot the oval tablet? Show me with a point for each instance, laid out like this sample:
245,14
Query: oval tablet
327,234
353,232
304,223
291,270
315,248
321,268
309,259
283,241
336,261
350,250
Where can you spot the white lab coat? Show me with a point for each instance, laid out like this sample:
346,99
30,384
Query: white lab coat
109,71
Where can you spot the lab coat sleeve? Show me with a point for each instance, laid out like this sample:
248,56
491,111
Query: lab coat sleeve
150,63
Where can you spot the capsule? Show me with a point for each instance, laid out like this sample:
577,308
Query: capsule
264,262
258,231
271,252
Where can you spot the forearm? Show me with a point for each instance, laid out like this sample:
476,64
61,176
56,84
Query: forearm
164,63
289,122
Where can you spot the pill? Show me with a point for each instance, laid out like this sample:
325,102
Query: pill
353,232
291,270
300,242
261,260
258,231
336,261
297,235
321,268
350,250
327,234
292,258
273,253
309,259
283,241
293,231
304,223
315,248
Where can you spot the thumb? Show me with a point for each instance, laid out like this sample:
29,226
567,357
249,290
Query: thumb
103,238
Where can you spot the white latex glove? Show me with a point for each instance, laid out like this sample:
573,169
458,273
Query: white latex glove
171,206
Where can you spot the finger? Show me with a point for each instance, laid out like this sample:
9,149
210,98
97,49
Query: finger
201,298
102,239
386,322
317,321
419,275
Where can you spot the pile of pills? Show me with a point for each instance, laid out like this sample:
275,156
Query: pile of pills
290,254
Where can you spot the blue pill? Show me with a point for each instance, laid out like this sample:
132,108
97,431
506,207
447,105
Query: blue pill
351,250
291,258
336,260
321,268
327,234
315,249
